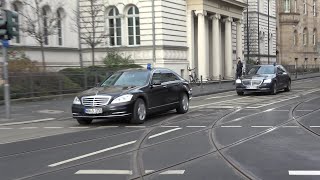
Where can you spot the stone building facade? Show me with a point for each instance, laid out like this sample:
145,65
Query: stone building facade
298,32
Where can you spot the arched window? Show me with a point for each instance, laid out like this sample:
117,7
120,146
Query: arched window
287,6
295,38
133,26
314,37
114,27
305,36
15,7
45,16
59,26
314,8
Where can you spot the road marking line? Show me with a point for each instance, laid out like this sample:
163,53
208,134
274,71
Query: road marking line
53,127
27,122
256,107
170,126
315,126
105,172
165,132
269,110
291,126
92,154
215,103
4,128
262,126
281,110
216,97
28,128
125,172
135,126
79,127
231,126
304,173
304,110
196,126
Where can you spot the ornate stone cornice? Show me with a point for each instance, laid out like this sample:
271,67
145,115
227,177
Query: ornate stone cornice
216,16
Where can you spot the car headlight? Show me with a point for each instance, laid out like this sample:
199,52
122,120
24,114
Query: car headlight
267,81
122,99
76,101
238,81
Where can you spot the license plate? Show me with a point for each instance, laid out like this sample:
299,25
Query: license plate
252,87
93,111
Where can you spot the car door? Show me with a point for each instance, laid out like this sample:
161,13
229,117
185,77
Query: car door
281,78
286,76
157,92
171,81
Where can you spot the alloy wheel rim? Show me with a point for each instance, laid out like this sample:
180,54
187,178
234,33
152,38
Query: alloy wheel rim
185,103
141,111
274,88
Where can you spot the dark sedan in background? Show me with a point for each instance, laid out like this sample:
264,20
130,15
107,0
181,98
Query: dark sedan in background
264,78
133,94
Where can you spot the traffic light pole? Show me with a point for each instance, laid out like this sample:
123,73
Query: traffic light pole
5,45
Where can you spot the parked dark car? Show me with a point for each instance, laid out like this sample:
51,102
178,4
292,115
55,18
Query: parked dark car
133,94
264,78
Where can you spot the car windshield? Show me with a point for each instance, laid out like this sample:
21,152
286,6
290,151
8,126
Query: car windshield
261,70
127,78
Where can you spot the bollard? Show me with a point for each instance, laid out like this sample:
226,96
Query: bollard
220,81
60,86
201,82
31,85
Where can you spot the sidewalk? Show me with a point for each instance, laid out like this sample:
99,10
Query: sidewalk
59,108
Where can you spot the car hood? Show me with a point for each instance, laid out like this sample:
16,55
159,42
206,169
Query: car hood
259,76
110,90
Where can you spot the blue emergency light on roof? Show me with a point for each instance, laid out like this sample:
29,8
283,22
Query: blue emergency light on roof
149,66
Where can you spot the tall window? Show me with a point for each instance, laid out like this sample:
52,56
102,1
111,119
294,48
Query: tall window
304,6
314,37
262,42
305,36
59,26
286,6
16,9
133,26
270,43
295,38
314,8
295,6
45,25
114,27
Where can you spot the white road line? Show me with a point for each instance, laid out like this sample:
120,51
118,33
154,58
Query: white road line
215,103
196,126
92,154
291,126
304,173
281,110
28,122
304,110
269,110
262,126
170,126
105,172
53,127
79,127
125,172
4,128
315,126
29,128
109,126
135,126
231,126
165,132
217,97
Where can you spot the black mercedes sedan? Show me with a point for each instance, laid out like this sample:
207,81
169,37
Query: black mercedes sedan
264,78
133,94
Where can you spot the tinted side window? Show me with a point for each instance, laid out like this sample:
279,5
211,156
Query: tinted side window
168,76
156,77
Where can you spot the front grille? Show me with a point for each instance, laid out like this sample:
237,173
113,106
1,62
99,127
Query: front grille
246,82
95,101
256,82
253,82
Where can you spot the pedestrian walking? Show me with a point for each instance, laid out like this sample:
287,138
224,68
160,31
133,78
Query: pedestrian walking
239,68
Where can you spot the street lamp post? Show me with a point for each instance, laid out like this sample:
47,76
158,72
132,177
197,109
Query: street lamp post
268,31
248,48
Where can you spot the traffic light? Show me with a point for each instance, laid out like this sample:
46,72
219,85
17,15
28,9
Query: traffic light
9,24
12,24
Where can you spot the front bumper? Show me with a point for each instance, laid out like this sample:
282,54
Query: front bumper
262,88
109,111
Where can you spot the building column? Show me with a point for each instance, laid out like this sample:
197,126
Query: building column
216,46
203,59
239,40
191,39
228,49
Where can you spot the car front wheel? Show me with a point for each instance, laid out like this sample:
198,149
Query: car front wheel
288,88
83,121
139,112
274,89
183,104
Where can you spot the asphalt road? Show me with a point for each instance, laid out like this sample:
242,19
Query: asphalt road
224,136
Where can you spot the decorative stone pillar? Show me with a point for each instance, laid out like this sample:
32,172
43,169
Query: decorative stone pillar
239,39
191,39
216,46
228,49
203,59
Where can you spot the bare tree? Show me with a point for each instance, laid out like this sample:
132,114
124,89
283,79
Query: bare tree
90,24
38,24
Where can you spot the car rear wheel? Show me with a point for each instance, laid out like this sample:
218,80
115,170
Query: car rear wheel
240,93
274,89
139,112
288,88
83,121
183,104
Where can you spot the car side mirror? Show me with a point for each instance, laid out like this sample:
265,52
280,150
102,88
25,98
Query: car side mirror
156,82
